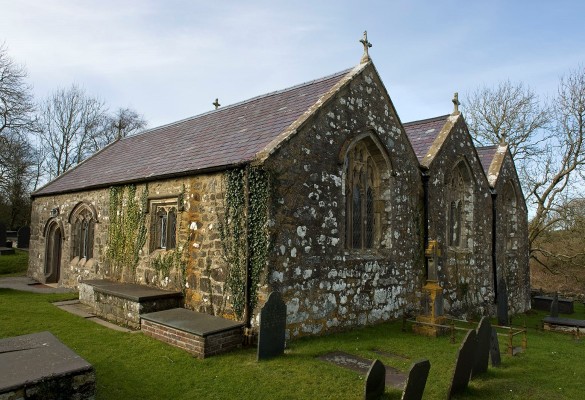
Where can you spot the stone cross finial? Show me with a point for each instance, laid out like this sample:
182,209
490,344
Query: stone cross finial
216,104
456,104
367,45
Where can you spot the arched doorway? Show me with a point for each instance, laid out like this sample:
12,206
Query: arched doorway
53,253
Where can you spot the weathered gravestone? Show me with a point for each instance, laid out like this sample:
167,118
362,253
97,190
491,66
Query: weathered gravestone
2,235
23,237
463,364
502,303
417,379
271,338
375,381
554,307
482,350
495,349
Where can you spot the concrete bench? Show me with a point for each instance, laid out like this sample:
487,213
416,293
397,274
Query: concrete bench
202,335
39,366
123,303
543,303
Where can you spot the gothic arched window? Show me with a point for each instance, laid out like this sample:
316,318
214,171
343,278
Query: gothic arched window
361,194
82,221
460,206
510,217
163,233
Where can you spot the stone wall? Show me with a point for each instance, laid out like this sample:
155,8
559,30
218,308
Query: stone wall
326,285
512,247
464,272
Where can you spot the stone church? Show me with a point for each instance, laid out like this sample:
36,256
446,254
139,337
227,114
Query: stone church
318,191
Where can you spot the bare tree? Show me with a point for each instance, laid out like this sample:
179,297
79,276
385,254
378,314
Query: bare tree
123,122
552,178
510,112
69,122
16,104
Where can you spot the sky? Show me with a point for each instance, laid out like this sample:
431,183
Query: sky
170,59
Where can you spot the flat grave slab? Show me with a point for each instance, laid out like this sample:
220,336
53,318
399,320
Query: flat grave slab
202,335
197,323
543,303
394,377
4,251
131,291
41,361
566,325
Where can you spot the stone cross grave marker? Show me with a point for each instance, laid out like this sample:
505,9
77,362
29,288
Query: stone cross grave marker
23,237
463,364
495,348
554,306
375,381
2,235
502,303
416,381
482,350
271,338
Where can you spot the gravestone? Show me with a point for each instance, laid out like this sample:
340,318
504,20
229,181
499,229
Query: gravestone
375,381
482,350
271,338
463,364
417,379
502,303
23,237
554,307
2,235
495,349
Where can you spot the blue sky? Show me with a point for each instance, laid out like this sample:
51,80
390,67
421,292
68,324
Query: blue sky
170,59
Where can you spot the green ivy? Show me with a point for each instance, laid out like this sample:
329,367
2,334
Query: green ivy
244,232
127,228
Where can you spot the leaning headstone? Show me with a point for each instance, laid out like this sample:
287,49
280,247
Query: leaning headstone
502,303
375,381
417,379
554,307
482,350
271,338
23,237
2,235
495,349
463,364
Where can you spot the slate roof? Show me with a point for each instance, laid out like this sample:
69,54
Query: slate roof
423,133
486,156
215,140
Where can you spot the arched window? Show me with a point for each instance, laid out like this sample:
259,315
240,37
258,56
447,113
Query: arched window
460,206
163,234
510,218
82,220
362,181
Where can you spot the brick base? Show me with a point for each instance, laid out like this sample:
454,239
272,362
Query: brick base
199,346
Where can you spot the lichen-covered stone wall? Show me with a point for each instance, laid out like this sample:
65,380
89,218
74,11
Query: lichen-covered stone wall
326,285
512,247
464,272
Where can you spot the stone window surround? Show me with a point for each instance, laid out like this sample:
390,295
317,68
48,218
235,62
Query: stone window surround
510,211
170,206
82,220
382,166
460,196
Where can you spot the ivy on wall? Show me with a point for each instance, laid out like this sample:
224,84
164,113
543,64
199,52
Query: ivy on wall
127,228
243,232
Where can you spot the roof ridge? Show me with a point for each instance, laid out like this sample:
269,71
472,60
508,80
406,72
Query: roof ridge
441,117
240,103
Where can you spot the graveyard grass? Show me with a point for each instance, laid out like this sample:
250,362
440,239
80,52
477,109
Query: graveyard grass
14,264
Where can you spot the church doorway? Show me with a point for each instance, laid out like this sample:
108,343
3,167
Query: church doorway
53,254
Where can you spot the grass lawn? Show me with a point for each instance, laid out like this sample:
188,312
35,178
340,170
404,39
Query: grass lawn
133,366
14,264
